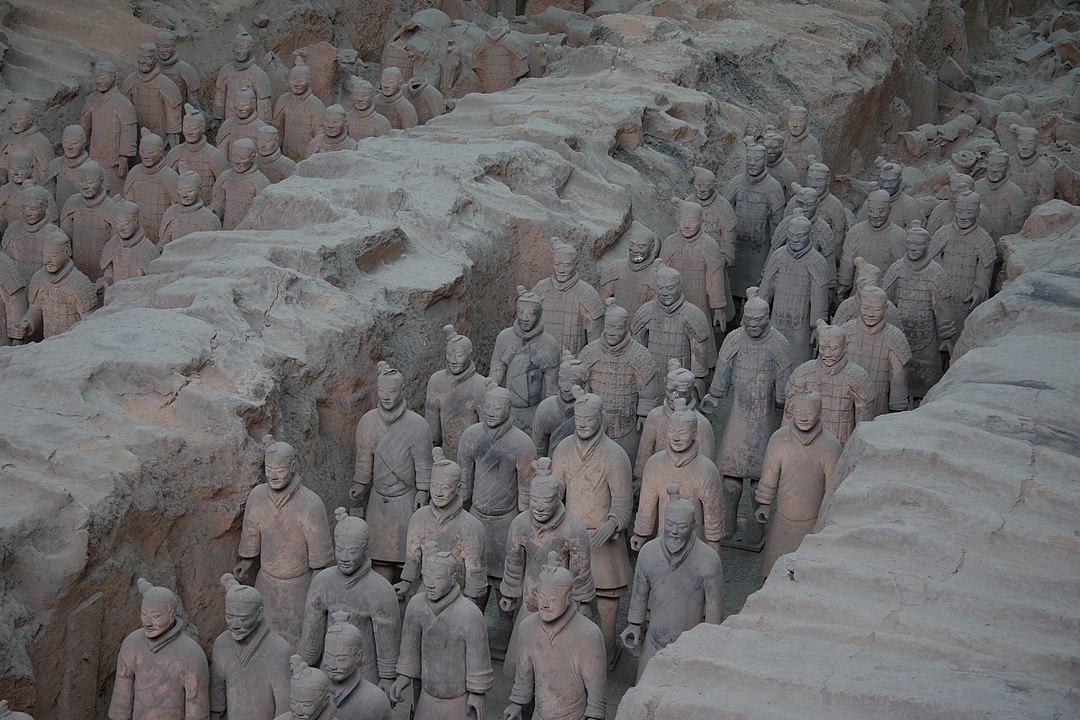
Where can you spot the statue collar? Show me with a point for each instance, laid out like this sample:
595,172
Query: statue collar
365,113
919,264
673,307
389,417
448,513
676,559
964,231
643,265
241,66
156,644
148,76
77,161
566,407
495,434
136,237
270,159
526,336
693,238
836,368
246,648
680,459
553,522
778,163
350,581
615,349
564,286
156,167
285,494
169,61
437,606
461,376
873,329
755,179
193,207
586,448
552,629
60,275
1027,162
801,253
346,687
808,436
801,136
707,201
97,199
248,120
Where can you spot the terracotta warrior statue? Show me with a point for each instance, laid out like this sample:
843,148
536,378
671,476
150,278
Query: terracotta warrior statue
795,283
1004,200
632,280
597,485
445,524
945,211
1030,170
108,118
129,252
58,295
364,120
88,219
754,365
680,385
903,209
696,475
351,586
310,695
159,105
23,134
675,329
235,190
197,153
425,98
878,240
355,698
499,60
799,143
444,645
20,177
822,237
829,207
701,262
778,166
249,665
62,174
621,371
454,395
562,667
758,202
333,136
865,275
717,216
182,73
572,310
554,419
881,350
393,470
799,464
243,123
284,528
161,672
298,113
526,360
391,103
920,288
189,214
152,184
12,298
275,166
968,254
240,71
678,583
25,239
847,394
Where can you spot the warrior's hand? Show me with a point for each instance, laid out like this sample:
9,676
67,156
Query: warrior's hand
631,636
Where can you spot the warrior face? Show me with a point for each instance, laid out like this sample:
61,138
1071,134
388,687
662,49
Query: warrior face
681,435
563,268
73,142
194,128
458,357
756,323
552,600
438,580
21,119
677,532
443,490
242,618
279,469
805,410
831,348
796,124
997,168
689,220
126,223
528,315
877,212
56,255
350,554
157,616
90,182
668,291
496,410
341,657
917,246
543,502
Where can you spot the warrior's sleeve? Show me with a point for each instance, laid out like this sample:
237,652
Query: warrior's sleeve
413,549
475,568
497,371
196,689
522,692
862,392
421,452
899,360
1047,184
621,487
218,697
513,566
320,546
781,368
770,473
174,105
984,268
609,278
467,462
123,699
646,447
713,506
639,596
593,667
386,626
891,281
129,130
712,582
409,663
220,89
279,114
943,317
432,412
364,465
525,472
217,197
592,312
250,532
648,505
639,328
479,676
314,630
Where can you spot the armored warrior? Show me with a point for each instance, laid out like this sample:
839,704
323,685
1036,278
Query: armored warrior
967,253
129,252
333,136
243,123
758,202
1005,201
865,275
778,166
877,239
680,385
242,70
425,98
285,528
87,219
20,177
152,184
391,103
554,419
799,143
108,118
25,239
702,264
499,60
12,298
235,190
717,216
355,697
182,73
189,214
572,310
310,695
454,395
881,350
298,113
632,280
526,360
945,211
62,174
275,166
903,209
363,119
158,103
1031,171
822,237
819,177
24,135
58,296
197,153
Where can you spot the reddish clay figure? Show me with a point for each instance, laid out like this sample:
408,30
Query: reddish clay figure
243,123
865,275
717,216
364,120
1004,200
778,166
680,385
758,202
351,586
58,296
88,219
284,528
108,118
675,329
877,239
197,153
62,174
702,263
20,176
754,365
795,283
355,698
526,360
393,470
598,487
242,70
881,350
444,645
903,209
189,214
333,136
819,177
152,184
847,394
12,297
499,60
967,253
572,310
444,524
945,211
275,166
159,105
161,672
681,464
249,665
920,288
391,103
237,187
182,73
129,252
632,280
799,464
454,395
822,237
310,694
425,98
621,371
562,665
24,135
25,239
678,583
554,419
799,143
298,113
1030,170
